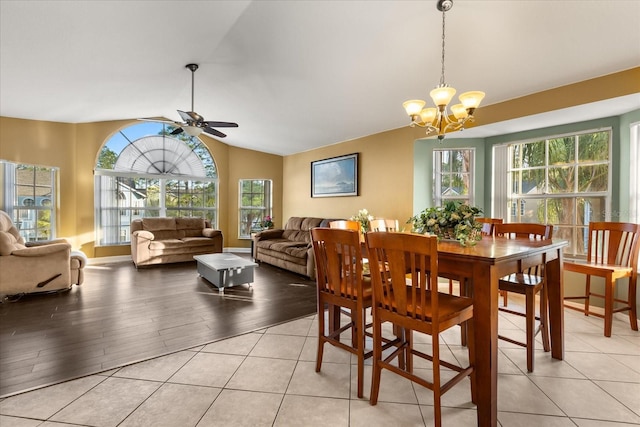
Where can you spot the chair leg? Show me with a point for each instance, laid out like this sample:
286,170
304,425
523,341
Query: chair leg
505,298
377,356
321,335
587,294
437,390
544,318
608,306
359,332
633,312
530,315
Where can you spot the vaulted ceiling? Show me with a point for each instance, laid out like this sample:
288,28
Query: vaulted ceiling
296,75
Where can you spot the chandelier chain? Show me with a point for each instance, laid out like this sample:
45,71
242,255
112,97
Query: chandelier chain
442,74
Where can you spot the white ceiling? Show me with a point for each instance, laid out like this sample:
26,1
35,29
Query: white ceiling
296,75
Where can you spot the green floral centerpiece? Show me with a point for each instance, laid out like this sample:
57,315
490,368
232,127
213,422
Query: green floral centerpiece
454,220
363,218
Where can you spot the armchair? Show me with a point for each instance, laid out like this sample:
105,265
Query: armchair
42,267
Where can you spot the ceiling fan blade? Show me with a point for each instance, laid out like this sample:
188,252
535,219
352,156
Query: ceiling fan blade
177,131
160,121
213,131
185,116
221,124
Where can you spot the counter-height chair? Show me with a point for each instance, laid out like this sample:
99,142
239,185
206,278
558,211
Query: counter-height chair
342,288
384,225
530,282
406,295
612,254
345,225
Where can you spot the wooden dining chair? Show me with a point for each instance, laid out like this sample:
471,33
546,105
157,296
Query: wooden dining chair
612,254
345,225
340,284
406,295
530,282
384,225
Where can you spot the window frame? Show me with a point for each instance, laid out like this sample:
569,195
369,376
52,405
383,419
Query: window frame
266,208
572,231
438,198
19,211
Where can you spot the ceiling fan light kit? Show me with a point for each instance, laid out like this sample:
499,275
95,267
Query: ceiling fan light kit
194,124
437,120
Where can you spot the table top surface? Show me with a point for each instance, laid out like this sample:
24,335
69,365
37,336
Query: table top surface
224,261
499,248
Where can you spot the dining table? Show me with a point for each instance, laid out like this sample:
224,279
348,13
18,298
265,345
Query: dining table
479,268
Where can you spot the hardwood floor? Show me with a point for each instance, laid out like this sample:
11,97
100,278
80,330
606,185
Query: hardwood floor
121,315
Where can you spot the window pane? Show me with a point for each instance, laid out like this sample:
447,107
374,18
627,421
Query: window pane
593,178
591,209
562,179
533,154
562,151
593,146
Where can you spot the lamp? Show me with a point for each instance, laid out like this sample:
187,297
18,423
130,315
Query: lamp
436,120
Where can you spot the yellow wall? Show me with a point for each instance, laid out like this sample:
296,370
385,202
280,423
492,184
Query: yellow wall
386,163
74,148
385,178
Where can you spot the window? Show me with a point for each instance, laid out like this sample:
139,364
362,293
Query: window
562,180
255,204
29,193
453,176
144,171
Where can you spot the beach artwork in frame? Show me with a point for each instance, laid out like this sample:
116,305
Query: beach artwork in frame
334,177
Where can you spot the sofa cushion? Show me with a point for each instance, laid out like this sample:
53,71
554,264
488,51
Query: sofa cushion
168,234
153,224
190,224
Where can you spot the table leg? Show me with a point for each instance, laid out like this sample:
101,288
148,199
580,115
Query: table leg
555,291
485,328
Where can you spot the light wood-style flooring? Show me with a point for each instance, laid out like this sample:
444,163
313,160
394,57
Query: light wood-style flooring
121,315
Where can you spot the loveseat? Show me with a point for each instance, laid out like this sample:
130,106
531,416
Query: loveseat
289,248
30,267
168,240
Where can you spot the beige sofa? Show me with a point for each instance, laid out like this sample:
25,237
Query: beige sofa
289,248
36,266
167,240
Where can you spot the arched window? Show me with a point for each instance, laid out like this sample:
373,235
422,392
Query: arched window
144,171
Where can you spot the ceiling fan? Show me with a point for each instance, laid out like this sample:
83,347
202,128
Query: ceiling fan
194,124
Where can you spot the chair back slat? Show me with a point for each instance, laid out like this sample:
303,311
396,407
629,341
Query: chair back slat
615,243
488,225
403,269
338,261
524,229
384,225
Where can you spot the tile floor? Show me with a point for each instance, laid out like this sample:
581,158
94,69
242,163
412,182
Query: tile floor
267,378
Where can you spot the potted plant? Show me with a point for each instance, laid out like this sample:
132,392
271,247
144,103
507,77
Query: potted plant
363,218
455,220
267,222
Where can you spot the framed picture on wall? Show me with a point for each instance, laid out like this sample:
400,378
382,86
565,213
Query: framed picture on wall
337,176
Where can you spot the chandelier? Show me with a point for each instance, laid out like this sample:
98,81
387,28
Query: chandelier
437,120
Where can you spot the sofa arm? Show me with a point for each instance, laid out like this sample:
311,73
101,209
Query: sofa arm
44,250
143,234
44,242
211,233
